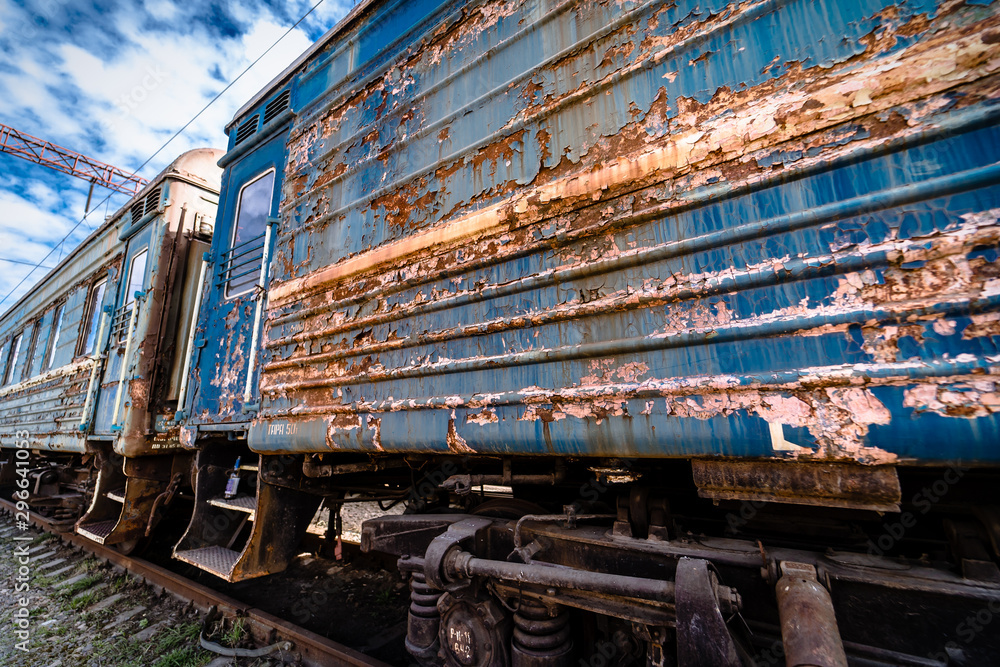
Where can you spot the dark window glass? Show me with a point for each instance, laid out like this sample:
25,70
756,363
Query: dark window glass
243,262
94,305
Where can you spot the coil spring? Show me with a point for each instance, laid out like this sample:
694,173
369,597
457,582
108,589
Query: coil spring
423,598
540,631
423,621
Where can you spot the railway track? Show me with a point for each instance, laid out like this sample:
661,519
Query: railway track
304,647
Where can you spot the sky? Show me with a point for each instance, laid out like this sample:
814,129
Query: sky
115,80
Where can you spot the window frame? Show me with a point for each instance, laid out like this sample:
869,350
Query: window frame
92,308
59,312
236,220
5,349
12,354
129,292
26,372
128,302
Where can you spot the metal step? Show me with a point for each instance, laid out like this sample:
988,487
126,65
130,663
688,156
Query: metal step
97,531
217,560
117,494
246,504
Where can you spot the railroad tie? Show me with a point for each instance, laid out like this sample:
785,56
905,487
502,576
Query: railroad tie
149,632
63,570
70,581
88,591
105,603
125,616
51,564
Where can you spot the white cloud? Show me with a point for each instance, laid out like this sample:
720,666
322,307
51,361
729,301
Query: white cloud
115,89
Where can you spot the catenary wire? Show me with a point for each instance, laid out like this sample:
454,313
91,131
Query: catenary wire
165,144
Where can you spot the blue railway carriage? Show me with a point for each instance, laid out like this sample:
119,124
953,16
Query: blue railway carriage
674,325
92,359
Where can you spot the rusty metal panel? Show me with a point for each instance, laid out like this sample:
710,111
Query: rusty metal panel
48,406
144,422
765,229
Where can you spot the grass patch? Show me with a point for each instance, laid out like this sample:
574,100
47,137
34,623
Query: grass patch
41,537
81,585
237,632
119,583
83,601
183,657
174,647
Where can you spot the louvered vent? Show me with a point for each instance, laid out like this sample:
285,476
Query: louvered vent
152,201
137,210
246,130
276,106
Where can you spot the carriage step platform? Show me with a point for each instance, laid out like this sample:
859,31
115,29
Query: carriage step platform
246,504
227,536
125,504
217,560
97,531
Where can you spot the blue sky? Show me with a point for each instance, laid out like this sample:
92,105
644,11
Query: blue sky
114,80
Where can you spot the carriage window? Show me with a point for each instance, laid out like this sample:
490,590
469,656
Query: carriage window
29,359
242,264
57,319
136,276
123,316
15,347
94,304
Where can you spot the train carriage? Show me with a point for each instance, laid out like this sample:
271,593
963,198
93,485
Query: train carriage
50,352
649,312
674,326
96,357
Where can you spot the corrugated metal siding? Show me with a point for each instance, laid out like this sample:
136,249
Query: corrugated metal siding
766,229
49,404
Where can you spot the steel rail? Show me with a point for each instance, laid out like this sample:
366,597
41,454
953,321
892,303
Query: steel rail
315,650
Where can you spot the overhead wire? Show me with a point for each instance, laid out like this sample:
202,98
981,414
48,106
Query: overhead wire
165,144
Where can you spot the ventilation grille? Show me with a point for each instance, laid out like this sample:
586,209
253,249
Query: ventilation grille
246,130
153,201
146,205
137,210
276,106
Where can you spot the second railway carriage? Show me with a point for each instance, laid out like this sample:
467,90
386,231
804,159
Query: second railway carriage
94,358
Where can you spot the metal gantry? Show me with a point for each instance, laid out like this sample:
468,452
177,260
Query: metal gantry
70,162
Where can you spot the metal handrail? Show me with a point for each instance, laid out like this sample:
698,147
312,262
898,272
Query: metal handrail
231,254
119,319
240,245
247,252
248,272
249,259
243,248
259,297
